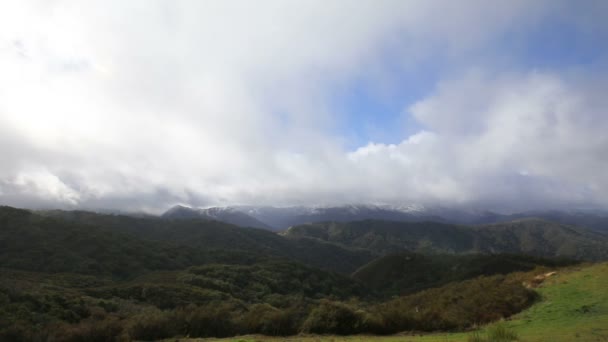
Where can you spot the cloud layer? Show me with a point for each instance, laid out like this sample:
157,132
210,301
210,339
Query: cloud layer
142,105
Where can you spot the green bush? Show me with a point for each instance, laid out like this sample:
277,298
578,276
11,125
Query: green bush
153,325
16,332
214,320
268,320
456,306
334,318
109,329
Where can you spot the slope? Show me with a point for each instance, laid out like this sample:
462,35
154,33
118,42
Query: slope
404,273
193,239
531,236
573,306
45,244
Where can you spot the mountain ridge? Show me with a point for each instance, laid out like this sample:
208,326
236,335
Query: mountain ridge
528,236
281,218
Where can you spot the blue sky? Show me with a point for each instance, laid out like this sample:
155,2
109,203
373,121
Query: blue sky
551,43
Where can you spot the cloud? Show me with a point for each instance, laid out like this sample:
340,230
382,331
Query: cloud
144,104
511,139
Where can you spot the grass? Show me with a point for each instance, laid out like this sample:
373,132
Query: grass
573,307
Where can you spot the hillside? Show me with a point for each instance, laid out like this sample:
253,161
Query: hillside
572,306
79,276
228,215
274,298
530,236
595,220
279,218
44,244
404,273
213,237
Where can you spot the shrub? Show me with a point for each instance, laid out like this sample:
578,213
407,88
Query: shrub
107,330
456,306
210,321
334,318
16,332
154,324
268,320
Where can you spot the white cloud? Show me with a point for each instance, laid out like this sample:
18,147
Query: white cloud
147,103
490,127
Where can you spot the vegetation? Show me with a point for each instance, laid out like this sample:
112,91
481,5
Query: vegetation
573,306
529,236
155,306
496,333
405,273
216,241
77,276
456,306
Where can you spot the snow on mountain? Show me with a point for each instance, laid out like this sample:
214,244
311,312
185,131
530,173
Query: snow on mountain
225,214
279,218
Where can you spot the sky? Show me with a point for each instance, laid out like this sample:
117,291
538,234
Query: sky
140,105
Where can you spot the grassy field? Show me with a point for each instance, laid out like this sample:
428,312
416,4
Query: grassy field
573,307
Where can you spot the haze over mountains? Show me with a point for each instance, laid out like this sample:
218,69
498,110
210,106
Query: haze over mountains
280,218
338,246
52,240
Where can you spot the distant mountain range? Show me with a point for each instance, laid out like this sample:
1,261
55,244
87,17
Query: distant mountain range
59,241
281,218
228,215
54,239
533,237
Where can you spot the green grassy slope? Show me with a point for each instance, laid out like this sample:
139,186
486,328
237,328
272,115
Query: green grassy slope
574,307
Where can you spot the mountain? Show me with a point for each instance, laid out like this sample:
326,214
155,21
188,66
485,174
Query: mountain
350,213
595,220
529,236
345,246
213,239
279,218
49,244
225,214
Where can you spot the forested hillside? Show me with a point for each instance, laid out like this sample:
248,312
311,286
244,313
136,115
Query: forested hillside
80,276
530,236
